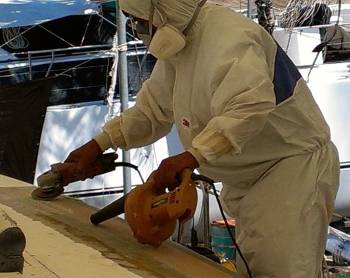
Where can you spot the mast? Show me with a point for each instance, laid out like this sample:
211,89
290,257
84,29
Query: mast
123,86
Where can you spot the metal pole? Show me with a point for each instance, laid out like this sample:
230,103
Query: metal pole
123,86
206,217
248,8
30,65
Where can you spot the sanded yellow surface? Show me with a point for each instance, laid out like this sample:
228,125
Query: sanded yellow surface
108,247
10,182
48,254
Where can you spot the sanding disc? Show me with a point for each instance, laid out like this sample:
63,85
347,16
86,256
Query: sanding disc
47,193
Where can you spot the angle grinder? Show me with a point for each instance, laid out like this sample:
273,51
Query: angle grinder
50,183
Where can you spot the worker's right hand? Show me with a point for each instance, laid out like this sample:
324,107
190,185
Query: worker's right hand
79,161
169,171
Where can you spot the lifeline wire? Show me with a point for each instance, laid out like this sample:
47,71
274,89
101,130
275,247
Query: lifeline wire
211,182
95,57
57,36
52,33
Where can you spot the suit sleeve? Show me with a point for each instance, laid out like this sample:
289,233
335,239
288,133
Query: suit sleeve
150,119
240,105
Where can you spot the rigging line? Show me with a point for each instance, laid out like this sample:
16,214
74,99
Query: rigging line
119,47
83,63
135,45
87,27
24,65
78,88
312,66
139,75
140,65
52,33
107,74
20,34
115,25
39,71
20,42
288,43
51,64
144,58
114,75
106,19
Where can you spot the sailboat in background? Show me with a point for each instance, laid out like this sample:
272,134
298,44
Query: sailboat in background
59,52
320,47
59,56
73,45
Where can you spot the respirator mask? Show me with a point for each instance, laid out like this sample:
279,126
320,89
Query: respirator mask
167,40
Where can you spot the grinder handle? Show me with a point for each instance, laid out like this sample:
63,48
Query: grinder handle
104,163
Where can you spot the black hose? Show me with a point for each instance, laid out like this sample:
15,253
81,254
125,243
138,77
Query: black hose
117,207
113,209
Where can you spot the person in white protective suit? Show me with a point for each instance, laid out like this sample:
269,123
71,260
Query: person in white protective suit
246,118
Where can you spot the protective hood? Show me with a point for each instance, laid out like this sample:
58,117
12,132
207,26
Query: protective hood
177,13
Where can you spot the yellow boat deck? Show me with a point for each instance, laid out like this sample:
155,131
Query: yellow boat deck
61,242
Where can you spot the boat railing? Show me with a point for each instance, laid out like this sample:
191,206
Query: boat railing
301,28
75,53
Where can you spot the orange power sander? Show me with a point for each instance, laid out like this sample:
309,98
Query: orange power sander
151,212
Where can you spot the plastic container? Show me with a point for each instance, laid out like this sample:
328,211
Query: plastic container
341,275
221,241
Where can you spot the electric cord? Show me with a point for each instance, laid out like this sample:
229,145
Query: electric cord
194,235
211,182
130,165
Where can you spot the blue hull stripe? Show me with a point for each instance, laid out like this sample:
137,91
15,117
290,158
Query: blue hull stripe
285,77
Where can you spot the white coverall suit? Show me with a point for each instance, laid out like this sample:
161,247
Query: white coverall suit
245,113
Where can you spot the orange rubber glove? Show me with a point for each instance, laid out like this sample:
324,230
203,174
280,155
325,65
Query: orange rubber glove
168,172
79,160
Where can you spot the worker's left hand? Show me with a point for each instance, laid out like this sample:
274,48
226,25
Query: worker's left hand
170,169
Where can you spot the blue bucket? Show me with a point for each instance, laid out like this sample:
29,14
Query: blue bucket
221,241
